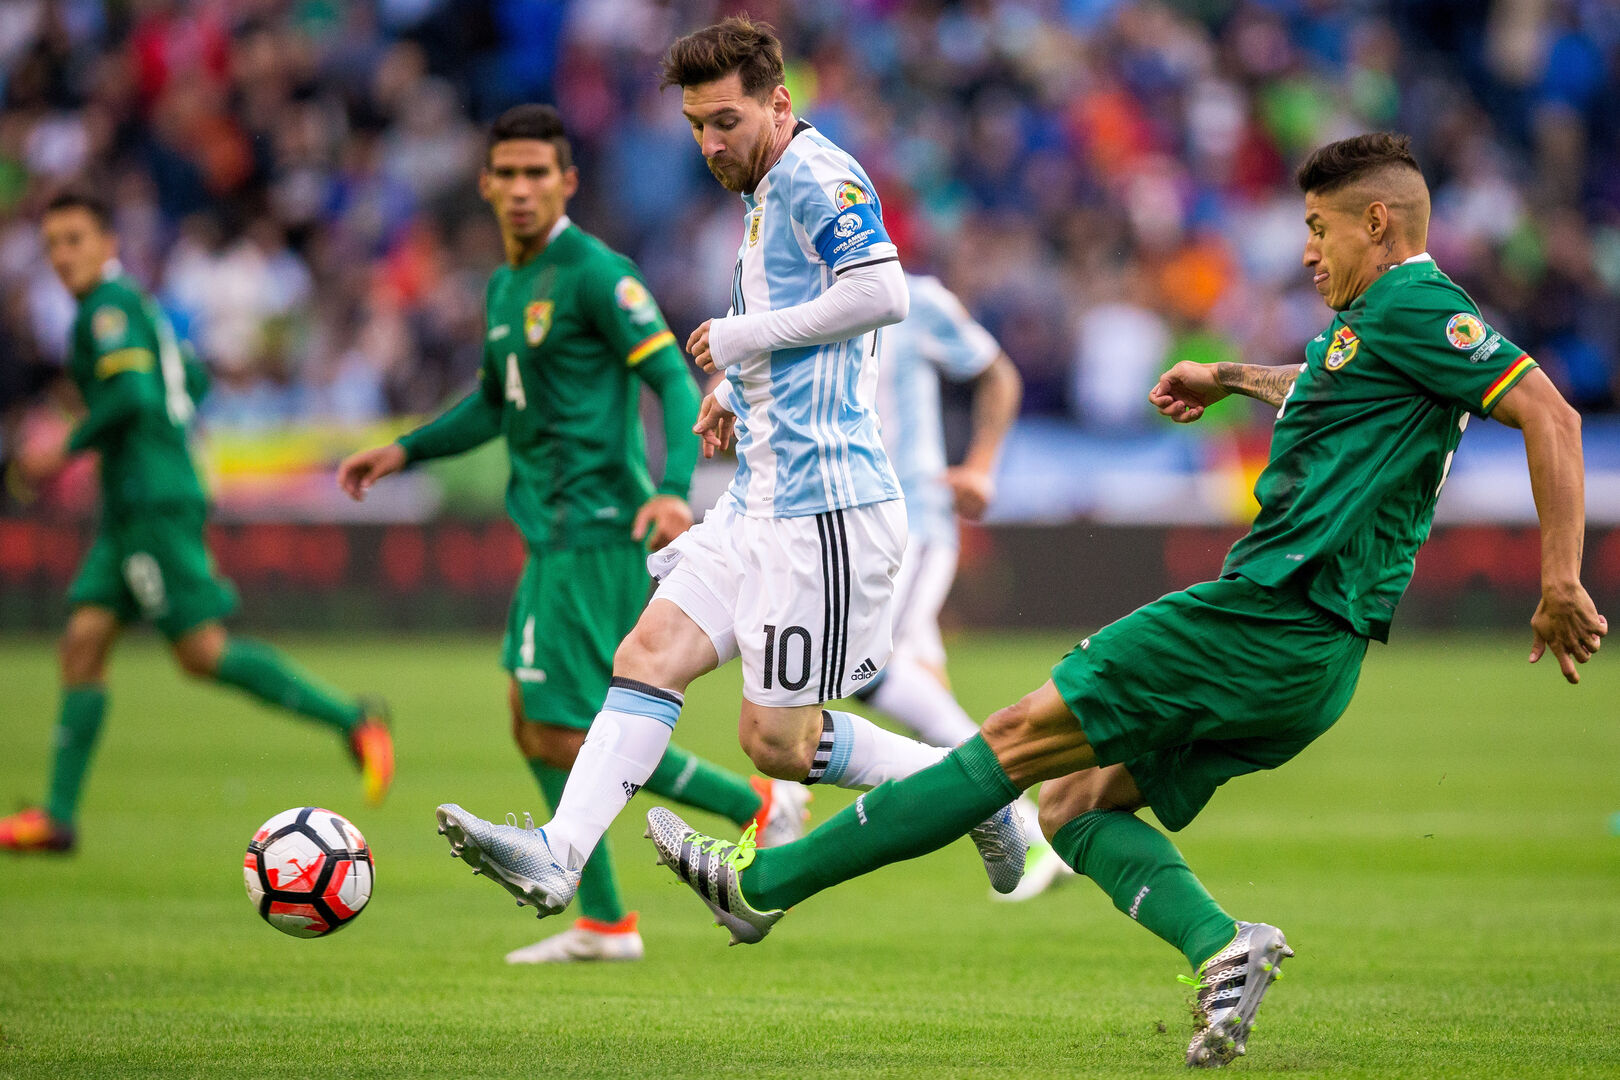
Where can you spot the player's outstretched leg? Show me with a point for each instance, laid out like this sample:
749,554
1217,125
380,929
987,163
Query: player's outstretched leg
856,753
911,693
264,673
517,858
898,820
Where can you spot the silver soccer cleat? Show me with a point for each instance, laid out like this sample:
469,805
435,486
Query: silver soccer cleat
517,858
1230,985
1044,869
1003,846
713,868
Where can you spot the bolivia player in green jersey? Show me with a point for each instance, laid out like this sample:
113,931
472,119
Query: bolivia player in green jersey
1240,674
572,335
149,558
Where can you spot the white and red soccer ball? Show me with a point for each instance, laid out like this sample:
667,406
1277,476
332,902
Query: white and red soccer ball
308,871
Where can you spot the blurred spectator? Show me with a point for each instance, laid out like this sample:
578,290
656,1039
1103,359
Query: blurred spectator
1106,183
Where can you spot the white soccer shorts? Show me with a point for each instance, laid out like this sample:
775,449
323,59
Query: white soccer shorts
803,600
925,580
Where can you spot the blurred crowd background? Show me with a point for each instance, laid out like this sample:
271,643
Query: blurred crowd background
1108,184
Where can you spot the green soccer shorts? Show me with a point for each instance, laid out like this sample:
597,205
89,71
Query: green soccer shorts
571,609
154,565
1200,686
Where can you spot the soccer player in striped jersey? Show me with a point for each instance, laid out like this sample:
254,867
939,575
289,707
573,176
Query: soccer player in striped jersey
571,336
794,569
940,339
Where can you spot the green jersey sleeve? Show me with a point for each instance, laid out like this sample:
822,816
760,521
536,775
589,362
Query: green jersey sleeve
114,358
624,312
469,423
1433,334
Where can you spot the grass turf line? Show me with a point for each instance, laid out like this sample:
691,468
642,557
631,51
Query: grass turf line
1440,859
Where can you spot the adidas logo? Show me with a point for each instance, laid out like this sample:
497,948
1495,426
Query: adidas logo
865,671
630,789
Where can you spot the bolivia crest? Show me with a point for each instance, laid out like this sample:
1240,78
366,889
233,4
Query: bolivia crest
537,321
1342,350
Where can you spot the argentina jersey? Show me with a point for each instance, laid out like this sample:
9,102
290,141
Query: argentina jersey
937,338
808,439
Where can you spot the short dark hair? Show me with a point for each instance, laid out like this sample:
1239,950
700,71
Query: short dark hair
737,43
93,205
540,122
1341,163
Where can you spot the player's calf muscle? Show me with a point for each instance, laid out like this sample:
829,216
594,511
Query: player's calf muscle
780,742
85,644
1038,739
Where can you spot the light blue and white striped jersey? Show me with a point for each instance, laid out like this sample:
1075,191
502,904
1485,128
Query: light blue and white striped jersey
937,338
807,428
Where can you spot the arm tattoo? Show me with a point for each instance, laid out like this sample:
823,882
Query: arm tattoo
1259,381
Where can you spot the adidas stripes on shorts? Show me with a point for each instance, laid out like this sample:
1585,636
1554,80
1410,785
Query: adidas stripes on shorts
805,601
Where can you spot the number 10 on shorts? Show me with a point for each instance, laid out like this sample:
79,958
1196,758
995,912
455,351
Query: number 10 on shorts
792,643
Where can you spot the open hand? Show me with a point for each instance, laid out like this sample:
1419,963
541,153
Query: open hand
1568,624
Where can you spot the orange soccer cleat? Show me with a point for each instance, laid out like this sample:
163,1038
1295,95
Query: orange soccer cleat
33,830
373,748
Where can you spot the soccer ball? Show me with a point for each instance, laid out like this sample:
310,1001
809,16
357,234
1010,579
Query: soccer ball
308,871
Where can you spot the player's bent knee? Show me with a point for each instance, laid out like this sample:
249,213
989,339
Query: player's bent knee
200,651
1065,798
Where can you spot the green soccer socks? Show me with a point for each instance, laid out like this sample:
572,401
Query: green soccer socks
598,885
685,777
275,680
76,731
901,819
1144,874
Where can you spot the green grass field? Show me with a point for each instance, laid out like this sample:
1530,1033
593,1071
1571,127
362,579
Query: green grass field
1442,861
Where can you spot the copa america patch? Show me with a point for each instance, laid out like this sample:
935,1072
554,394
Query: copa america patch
108,325
1465,331
850,194
633,297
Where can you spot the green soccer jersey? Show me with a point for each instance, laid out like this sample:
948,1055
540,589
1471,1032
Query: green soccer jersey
570,337
139,390
1365,438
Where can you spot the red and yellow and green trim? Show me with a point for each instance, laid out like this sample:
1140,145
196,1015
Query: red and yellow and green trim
1505,382
650,346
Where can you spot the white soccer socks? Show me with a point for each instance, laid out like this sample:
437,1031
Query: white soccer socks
916,698
626,742
856,753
